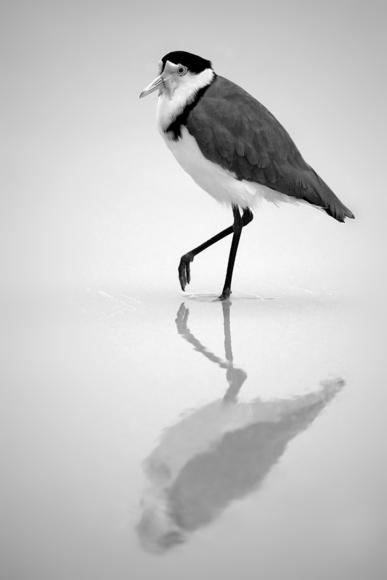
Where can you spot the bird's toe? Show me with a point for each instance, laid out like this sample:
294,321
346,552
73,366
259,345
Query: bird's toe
225,294
185,270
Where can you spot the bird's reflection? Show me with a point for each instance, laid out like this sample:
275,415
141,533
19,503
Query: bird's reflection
220,452
235,376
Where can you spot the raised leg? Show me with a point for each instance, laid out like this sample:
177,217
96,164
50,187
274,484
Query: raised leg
185,261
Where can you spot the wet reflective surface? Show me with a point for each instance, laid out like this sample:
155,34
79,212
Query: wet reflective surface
149,435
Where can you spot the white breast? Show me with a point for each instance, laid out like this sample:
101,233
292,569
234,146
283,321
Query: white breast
218,182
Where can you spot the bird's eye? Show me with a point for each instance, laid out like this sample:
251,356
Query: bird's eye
181,70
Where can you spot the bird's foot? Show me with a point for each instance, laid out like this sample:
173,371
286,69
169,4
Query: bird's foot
225,294
185,269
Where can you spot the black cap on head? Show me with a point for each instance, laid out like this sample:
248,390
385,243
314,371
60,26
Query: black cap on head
195,64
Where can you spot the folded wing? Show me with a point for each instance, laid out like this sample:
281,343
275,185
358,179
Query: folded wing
235,131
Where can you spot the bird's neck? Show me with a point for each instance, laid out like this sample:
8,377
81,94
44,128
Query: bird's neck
172,103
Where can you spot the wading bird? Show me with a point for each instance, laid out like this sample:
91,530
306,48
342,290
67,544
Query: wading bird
232,147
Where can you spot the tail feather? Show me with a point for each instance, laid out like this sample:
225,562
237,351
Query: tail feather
327,200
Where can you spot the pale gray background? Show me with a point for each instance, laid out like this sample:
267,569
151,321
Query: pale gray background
95,215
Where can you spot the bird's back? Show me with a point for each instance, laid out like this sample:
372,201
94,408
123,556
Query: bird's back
235,131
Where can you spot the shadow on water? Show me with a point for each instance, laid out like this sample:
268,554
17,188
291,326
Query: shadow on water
220,452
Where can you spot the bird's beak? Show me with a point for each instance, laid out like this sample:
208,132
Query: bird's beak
156,84
168,72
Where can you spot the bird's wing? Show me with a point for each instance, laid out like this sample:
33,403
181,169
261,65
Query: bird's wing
235,131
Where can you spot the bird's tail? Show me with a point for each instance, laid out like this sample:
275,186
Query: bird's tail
328,201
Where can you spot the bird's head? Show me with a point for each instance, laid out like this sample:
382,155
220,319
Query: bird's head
179,70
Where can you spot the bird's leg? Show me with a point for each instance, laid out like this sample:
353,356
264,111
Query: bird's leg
237,229
184,266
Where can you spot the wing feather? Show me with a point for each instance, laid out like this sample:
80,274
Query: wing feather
235,131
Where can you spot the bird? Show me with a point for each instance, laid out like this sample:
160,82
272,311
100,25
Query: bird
233,148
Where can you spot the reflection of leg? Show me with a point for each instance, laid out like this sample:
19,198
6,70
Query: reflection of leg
182,318
183,330
185,261
235,378
227,330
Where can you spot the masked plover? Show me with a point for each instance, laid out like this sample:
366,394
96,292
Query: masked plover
232,147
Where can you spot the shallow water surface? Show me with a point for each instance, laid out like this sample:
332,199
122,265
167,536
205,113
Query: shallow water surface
176,435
